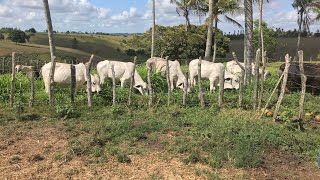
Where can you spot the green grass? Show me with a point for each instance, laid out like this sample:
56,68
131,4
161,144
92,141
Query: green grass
211,136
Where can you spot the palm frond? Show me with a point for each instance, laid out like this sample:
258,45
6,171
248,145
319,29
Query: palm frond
229,19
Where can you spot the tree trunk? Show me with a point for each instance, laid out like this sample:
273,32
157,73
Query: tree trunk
52,50
153,26
248,43
263,54
299,34
215,39
209,35
186,15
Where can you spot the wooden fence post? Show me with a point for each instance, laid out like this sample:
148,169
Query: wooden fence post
3,64
303,90
31,101
150,86
13,78
72,83
132,80
51,84
221,87
241,85
168,79
264,63
256,80
283,87
37,64
113,86
201,98
89,88
185,90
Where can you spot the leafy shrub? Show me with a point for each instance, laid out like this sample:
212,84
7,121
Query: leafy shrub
66,112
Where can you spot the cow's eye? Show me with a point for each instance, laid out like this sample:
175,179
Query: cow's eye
94,83
228,79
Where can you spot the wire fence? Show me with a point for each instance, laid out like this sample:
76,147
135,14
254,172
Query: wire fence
105,97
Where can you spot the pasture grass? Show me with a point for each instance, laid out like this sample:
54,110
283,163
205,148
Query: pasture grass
212,136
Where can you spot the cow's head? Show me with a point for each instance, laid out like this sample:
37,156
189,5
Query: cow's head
18,68
266,75
181,84
95,83
231,81
142,88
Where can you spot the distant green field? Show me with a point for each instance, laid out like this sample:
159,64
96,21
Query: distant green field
105,46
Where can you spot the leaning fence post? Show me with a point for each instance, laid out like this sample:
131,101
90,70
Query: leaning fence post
185,89
241,79
221,87
72,83
168,79
132,80
303,89
13,77
199,83
31,102
256,80
262,79
149,86
113,86
283,87
89,89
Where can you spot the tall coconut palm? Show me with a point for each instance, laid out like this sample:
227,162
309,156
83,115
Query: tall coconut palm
52,50
153,26
248,39
304,8
220,7
187,7
226,8
209,35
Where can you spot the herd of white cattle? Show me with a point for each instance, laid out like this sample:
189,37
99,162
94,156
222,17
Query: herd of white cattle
124,70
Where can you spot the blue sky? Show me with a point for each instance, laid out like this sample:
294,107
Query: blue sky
124,16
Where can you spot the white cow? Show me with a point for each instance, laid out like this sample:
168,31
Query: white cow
28,70
209,71
62,76
233,68
123,71
176,75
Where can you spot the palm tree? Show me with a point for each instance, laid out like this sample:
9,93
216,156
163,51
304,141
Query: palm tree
224,7
304,8
153,26
52,50
209,35
248,39
187,7
217,8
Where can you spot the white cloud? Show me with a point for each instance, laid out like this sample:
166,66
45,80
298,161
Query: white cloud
82,15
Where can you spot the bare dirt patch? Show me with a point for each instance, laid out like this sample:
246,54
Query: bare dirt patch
39,151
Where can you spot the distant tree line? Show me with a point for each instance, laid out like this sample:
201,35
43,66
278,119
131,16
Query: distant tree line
277,32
